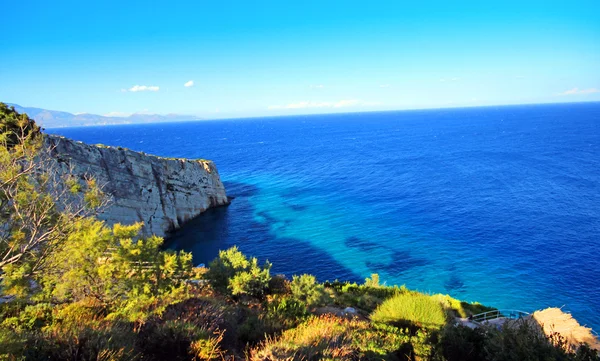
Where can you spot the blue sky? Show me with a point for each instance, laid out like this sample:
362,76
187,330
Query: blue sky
256,58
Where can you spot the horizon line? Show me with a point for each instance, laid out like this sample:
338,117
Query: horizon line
203,119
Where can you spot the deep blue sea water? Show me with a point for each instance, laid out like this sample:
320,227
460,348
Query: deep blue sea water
499,205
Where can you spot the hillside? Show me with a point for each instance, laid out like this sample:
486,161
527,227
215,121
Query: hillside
58,119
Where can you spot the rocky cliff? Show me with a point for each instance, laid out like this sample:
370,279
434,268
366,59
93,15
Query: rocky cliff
161,192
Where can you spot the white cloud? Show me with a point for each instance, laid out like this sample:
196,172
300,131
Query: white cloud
339,104
384,86
575,91
142,88
189,84
318,86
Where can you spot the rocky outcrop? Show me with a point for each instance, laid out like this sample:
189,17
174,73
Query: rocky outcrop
163,193
555,320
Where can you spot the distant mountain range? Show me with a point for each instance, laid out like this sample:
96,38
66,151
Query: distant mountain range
57,119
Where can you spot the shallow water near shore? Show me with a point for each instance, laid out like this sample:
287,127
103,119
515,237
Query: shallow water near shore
499,205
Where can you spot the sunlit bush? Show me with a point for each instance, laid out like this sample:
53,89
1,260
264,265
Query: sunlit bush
232,272
306,289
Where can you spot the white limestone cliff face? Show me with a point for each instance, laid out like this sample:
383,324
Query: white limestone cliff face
163,193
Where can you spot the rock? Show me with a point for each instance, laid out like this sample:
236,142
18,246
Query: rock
345,313
554,320
163,193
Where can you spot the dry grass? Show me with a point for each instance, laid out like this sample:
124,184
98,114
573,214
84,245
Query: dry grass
332,338
320,338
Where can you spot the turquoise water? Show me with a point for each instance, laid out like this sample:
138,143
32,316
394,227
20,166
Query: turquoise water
498,205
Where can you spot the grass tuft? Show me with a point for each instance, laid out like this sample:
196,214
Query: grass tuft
411,308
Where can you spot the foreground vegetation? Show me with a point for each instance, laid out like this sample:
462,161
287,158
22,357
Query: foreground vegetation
80,290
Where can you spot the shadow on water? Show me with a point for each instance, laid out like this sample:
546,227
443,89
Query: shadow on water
223,227
454,283
362,244
402,261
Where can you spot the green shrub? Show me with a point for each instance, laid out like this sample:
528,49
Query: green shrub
279,285
233,273
366,297
132,278
382,292
382,342
373,281
516,341
12,342
521,340
365,301
411,308
12,124
286,312
62,332
254,281
77,314
306,289
55,342
29,317
225,266
461,343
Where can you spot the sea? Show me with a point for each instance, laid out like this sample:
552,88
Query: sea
498,205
